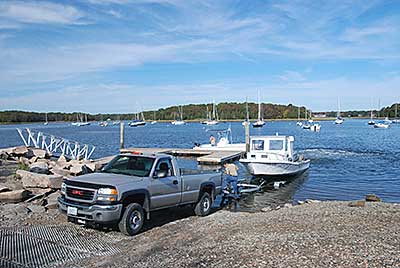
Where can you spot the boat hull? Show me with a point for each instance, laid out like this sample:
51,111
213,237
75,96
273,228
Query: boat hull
276,168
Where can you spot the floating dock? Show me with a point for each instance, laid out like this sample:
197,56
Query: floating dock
207,157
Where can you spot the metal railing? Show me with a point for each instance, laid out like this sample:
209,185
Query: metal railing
56,145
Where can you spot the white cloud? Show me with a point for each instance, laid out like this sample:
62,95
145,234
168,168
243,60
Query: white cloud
40,12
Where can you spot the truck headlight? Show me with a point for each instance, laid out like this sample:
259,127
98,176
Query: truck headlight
63,188
107,194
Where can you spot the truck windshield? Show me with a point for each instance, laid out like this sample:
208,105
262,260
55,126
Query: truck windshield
130,165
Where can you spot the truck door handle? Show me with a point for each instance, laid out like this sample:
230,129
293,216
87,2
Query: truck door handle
175,181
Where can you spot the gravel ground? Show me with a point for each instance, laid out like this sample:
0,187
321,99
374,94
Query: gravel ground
325,234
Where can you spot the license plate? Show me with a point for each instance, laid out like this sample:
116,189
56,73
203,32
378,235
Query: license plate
79,221
72,211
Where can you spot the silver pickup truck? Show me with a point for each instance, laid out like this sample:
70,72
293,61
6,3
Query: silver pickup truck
131,186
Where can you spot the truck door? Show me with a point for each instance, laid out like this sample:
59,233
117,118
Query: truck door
165,187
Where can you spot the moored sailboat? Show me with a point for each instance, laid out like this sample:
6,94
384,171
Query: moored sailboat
260,120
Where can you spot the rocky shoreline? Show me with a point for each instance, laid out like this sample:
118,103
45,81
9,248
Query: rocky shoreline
361,233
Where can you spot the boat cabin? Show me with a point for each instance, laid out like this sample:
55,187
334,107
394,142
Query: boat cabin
271,148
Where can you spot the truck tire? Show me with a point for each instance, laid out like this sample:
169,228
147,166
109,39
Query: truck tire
203,207
132,220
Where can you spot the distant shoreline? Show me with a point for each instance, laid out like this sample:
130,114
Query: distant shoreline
201,120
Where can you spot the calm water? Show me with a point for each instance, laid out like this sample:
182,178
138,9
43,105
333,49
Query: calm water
347,161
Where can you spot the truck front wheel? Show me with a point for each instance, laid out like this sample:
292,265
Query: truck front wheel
132,220
203,207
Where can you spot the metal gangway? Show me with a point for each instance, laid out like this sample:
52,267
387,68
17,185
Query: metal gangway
56,145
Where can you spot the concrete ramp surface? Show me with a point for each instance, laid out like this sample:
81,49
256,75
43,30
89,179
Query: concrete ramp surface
50,246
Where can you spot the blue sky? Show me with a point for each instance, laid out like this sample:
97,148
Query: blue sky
115,55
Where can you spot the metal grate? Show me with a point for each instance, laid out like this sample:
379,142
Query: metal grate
47,246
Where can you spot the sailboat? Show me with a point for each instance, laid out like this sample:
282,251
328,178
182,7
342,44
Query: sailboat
339,120
47,122
310,120
213,120
180,121
79,121
154,118
299,123
247,120
138,121
260,120
371,122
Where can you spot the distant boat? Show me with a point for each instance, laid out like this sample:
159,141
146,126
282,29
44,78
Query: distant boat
315,127
138,121
371,122
247,120
381,125
180,121
154,118
47,122
79,121
212,119
339,120
260,120
387,120
299,123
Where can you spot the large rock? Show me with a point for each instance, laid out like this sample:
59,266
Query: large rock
372,198
39,152
59,171
20,151
14,196
39,167
34,180
51,201
4,155
24,161
357,203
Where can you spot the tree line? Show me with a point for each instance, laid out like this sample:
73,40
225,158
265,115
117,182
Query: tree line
226,111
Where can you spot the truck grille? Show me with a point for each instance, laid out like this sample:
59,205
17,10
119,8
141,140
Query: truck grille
78,193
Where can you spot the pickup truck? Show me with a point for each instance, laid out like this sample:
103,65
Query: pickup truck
131,186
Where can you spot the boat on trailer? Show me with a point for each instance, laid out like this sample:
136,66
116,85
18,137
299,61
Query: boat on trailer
274,156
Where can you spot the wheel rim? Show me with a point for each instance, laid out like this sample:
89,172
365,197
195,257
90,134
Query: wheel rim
206,204
135,220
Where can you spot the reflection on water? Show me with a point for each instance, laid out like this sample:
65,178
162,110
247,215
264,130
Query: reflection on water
274,192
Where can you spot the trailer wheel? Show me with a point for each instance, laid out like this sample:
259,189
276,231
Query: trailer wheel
132,220
203,207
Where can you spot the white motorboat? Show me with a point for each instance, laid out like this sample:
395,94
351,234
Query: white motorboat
306,125
381,125
260,120
274,156
315,127
223,142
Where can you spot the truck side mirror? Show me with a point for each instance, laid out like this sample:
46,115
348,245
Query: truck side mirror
160,174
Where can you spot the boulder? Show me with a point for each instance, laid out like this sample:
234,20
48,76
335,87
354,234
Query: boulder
372,198
4,155
62,163
20,151
14,196
76,169
24,161
39,167
39,152
59,171
34,180
357,203
33,159
51,201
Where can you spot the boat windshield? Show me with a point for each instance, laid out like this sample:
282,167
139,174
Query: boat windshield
276,145
130,165
257,145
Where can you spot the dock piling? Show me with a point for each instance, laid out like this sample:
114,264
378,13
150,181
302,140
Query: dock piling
121,135
247,134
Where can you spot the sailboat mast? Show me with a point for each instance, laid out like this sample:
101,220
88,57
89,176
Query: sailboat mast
259,106
247,111
298,113
395,111
338,112
214,116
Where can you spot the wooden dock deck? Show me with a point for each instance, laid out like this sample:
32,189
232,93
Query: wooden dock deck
210,157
